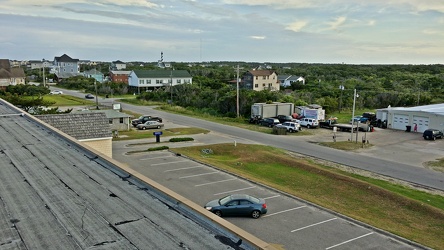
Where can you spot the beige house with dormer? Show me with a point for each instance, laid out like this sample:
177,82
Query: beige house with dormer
261,80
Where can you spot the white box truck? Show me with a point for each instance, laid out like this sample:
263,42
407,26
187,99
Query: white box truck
266,110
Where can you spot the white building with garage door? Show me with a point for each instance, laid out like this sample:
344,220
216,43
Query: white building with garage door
428,116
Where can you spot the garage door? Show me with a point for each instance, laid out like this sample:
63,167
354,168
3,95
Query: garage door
422,122
400,121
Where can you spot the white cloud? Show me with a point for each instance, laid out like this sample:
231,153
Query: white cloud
337,23
258,37
296,26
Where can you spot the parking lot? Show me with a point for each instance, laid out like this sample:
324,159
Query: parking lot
290,223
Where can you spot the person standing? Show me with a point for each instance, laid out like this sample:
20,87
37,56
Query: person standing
415,128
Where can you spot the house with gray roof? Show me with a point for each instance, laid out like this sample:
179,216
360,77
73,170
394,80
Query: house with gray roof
65,67
288,80
117,120
10,75
90,128
146,80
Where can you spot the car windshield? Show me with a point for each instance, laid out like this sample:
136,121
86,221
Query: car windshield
225,200
140,117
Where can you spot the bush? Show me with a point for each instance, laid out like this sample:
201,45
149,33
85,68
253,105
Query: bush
181,139
158,148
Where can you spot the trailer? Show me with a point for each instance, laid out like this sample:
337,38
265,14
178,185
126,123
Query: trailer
265,110
331,123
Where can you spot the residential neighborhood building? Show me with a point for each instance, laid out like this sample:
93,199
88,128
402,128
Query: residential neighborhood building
38,64
120,76
288,80
261,80
92,128
117,65
94,73
10,75
65,67
117,120
146,80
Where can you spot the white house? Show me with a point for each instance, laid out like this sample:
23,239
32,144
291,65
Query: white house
143,80
287,80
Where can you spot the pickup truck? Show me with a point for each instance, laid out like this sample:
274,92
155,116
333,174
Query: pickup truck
144,118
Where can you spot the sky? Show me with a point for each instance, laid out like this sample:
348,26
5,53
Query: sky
275,31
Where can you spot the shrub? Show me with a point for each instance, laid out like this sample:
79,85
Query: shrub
158,148
181,139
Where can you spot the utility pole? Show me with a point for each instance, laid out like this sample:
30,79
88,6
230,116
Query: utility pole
171,86
44,78
237,90
353,115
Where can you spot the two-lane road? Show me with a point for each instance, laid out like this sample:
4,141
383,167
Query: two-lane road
421,176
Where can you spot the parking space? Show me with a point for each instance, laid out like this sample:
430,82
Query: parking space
290,222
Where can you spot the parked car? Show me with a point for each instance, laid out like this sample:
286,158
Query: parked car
144,118
269,122
238,205
290,126
309,122
150,124
285,118
56,92
89,96
432,134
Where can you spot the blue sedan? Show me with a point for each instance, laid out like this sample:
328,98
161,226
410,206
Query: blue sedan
238,205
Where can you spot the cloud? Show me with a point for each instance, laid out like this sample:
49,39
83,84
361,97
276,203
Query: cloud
258,37
296,26
337,23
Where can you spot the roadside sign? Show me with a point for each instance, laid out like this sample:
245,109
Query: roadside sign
157,133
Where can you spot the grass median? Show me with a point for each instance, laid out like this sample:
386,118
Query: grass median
409,213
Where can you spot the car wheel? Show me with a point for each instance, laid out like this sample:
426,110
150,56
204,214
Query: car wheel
308,126
269,126
255,214
218,213
434,138
291,130
143,128
158,127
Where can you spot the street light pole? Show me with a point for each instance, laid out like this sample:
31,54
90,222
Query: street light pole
171,86
353,115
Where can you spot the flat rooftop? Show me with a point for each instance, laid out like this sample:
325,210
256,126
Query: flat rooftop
56,194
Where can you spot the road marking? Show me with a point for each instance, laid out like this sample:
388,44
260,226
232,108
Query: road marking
235,190
350,240
291,209
196,175
164,163
165,156
271,197
313,225
214,182
178,169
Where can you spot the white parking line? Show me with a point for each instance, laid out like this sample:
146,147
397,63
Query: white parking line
165,156
313,225
350,240
214,182
235,190
165,163
178,169
291,209
271,197
196,175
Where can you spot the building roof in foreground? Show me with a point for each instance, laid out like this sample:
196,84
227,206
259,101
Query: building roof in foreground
57,193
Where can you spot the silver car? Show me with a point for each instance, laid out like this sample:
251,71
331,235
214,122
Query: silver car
150,124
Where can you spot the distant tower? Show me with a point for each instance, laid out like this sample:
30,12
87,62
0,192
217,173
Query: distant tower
160,62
